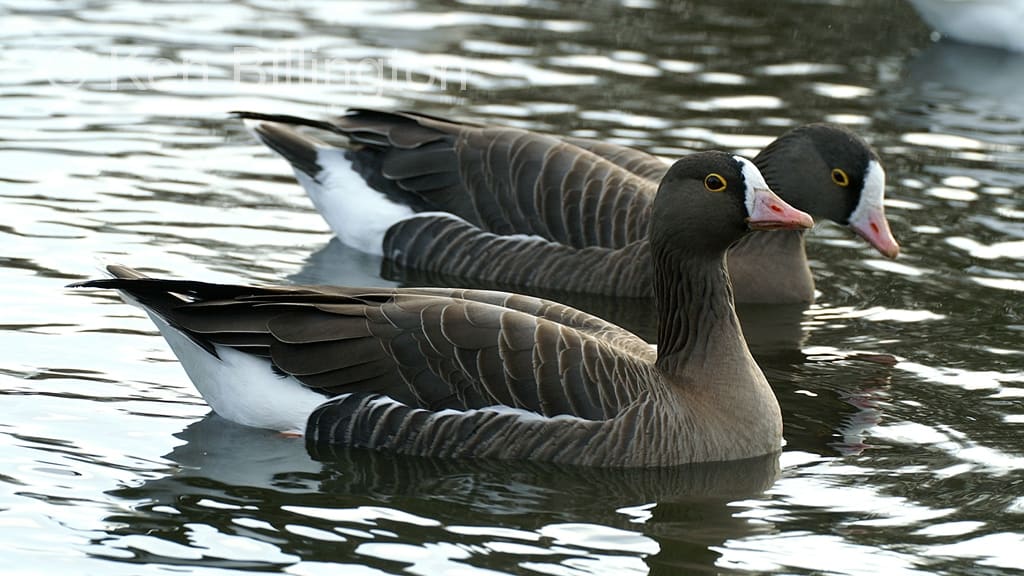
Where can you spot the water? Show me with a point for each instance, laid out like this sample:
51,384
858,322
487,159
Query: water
902,387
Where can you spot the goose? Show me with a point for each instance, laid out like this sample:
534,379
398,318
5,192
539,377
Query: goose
448,372
505,207
991,23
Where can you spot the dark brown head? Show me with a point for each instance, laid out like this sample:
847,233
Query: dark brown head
707,201
832,173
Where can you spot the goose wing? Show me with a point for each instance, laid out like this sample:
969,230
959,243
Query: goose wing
636,161
449,247
428,348
504,180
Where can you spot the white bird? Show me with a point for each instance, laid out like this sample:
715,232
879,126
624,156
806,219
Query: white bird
993,23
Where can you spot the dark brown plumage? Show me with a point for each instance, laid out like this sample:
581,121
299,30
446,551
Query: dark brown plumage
507,189
466,373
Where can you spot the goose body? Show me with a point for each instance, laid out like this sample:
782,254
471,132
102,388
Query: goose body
472,373
510,207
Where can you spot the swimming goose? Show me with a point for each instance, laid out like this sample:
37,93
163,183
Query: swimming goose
469,373
512,208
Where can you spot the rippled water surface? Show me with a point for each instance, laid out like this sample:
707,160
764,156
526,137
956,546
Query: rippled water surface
902,387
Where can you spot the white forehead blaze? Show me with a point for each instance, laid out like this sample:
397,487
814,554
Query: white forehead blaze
755,182
871,196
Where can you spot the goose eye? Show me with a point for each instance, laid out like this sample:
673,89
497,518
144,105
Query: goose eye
714,182
839,177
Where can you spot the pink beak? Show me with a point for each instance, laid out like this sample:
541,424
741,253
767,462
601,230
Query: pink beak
874,228
771,213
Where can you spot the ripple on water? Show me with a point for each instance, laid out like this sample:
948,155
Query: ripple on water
902,396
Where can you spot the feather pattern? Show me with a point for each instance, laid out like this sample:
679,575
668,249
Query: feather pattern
471,373
512,186
424,243
502,180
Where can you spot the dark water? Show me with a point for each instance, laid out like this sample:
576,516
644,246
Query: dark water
902,387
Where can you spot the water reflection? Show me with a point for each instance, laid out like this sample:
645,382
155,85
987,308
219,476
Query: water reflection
908,468
231,481
969,90
339,265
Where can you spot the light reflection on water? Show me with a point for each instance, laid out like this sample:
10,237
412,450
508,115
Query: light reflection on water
902,387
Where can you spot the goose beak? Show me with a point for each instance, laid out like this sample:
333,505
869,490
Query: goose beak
868,218
769,212
872,226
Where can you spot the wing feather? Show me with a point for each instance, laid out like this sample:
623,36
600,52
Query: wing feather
426,348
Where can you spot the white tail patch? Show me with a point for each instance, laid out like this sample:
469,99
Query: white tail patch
241,387
357,214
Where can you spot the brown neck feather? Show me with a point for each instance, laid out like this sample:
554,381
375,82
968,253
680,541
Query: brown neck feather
698,332
771,268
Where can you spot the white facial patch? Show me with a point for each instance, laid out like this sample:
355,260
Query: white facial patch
755,182
872,195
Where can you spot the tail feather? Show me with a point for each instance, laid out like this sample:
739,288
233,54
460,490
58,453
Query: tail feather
300,150
374,128
286,119
359,185
163,292
161,298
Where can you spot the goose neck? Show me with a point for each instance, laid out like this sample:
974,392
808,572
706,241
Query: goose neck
698,329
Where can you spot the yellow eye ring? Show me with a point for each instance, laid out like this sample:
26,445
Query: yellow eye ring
715,182
839,177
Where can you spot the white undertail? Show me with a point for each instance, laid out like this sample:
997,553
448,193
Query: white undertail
357,214
241,387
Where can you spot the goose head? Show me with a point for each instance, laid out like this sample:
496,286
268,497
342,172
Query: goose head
708,201
834,174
